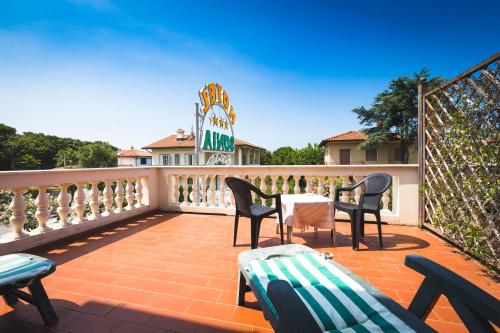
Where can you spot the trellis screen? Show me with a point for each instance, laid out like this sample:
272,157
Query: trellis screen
460,180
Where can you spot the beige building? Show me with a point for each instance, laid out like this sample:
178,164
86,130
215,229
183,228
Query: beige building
179,150
344,149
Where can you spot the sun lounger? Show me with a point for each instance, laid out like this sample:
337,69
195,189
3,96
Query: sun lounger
301,291
21,270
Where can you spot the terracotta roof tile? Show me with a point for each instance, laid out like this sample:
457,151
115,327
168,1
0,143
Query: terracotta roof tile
352,136
133,153
188,142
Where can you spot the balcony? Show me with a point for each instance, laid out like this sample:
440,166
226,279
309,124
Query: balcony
149,266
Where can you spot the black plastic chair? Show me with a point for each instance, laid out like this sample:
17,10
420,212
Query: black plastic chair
374,186
245,207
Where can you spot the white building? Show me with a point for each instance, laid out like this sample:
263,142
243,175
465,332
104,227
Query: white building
179,150
133,157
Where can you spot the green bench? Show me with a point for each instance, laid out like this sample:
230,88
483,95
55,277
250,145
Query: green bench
20,270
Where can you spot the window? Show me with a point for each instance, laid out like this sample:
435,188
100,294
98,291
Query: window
144,161
371,154
188,159
165,160
177,159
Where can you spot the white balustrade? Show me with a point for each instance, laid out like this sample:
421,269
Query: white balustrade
79,203
94,201
296,188
129,190
42,210
107,198
63,200
158,188
274,188
345,194
119,196
18,218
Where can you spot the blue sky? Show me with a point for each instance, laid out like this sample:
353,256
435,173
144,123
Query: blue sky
128,72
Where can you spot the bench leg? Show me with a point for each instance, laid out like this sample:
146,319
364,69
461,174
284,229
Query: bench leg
42,302
10,299
242,287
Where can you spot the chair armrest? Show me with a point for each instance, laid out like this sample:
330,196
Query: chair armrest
294,317
458,290
262,194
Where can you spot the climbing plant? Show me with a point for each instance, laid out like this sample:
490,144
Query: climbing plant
461,175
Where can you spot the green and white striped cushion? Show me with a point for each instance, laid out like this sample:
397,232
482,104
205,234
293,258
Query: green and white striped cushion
19,266
337,302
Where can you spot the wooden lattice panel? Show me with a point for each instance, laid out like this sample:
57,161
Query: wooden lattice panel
461,175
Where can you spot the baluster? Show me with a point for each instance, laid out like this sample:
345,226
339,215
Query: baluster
285,185
385,201
345,194
139,191
94,201
321,188
63,200
107,198
231,199
357,191
119,196
195,191
332,187
262,187
274,188
222,200
252,193
176,190
42,210
129,189
213,191
203,191
181,192
18,218
296,188
79,203
308,184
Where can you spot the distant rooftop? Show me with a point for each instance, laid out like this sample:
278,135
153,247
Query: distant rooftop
181,140
133,153
356,136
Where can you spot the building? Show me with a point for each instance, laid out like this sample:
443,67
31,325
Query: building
179,150
133,157
344,149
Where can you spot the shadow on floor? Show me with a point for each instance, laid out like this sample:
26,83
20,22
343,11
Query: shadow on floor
68,249
93,316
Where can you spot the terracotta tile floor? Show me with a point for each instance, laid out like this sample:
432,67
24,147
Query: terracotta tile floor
178,273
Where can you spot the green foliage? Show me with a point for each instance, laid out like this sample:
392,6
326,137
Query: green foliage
266,157
97,155
37,151
312,154
66,156
26,162
394,112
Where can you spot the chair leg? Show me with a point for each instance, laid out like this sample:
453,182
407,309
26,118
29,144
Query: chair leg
358,228
42,302
353,228
379,227
242,284
236,220
253,232
257,232
362,225
280,218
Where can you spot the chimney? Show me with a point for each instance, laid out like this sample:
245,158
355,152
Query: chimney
180,134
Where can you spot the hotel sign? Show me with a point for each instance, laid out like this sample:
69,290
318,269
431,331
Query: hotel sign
214,124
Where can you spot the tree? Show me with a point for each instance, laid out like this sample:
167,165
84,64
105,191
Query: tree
7,133
26,162
394,112
66,157
97,155
266,157
283,156
312,154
